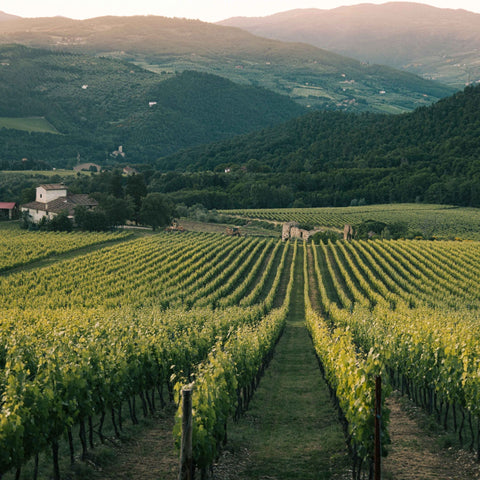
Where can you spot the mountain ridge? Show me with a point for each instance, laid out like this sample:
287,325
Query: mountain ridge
5,17
430,41
310,75
328,140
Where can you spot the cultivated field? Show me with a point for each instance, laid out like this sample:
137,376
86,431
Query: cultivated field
40,173
443,221
21,247
92,343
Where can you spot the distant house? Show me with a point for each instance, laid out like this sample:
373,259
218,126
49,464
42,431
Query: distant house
118,153
52,199
130,171
87,167
8,210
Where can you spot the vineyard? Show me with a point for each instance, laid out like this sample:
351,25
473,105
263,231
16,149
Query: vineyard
20,247
412,309
87,336
442,221
115,333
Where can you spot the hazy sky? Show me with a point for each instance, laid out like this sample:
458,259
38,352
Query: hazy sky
207,10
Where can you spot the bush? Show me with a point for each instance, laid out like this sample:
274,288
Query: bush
370,228
26,222
325,236
306,226
59,223
91,220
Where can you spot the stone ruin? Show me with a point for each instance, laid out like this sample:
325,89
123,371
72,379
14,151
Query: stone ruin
292,230
348,233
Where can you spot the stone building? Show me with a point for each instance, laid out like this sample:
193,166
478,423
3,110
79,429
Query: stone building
52,199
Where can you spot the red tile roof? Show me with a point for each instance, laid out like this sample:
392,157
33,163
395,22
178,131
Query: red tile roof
7,205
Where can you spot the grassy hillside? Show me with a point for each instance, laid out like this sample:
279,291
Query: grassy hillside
98,104
28,124
441,44
308,74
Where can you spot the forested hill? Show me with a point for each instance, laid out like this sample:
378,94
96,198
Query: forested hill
434,136
310,75
90,105
430,154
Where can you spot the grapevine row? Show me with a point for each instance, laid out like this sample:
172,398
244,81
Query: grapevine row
427,334
224,382
351,378
60,367
20,247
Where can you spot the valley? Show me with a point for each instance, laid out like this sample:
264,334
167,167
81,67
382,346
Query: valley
240,250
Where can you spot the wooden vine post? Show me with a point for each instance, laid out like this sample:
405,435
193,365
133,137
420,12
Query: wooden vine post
186,456
377,458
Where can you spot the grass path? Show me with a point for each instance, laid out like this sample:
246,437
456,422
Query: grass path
420,447
291,430
148,454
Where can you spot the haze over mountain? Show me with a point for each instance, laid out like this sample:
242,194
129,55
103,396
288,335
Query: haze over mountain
310,75
442,44
4,17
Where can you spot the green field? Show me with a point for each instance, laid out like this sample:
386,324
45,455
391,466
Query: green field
28,124
44,173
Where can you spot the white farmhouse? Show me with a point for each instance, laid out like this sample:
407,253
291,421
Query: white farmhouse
52,199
